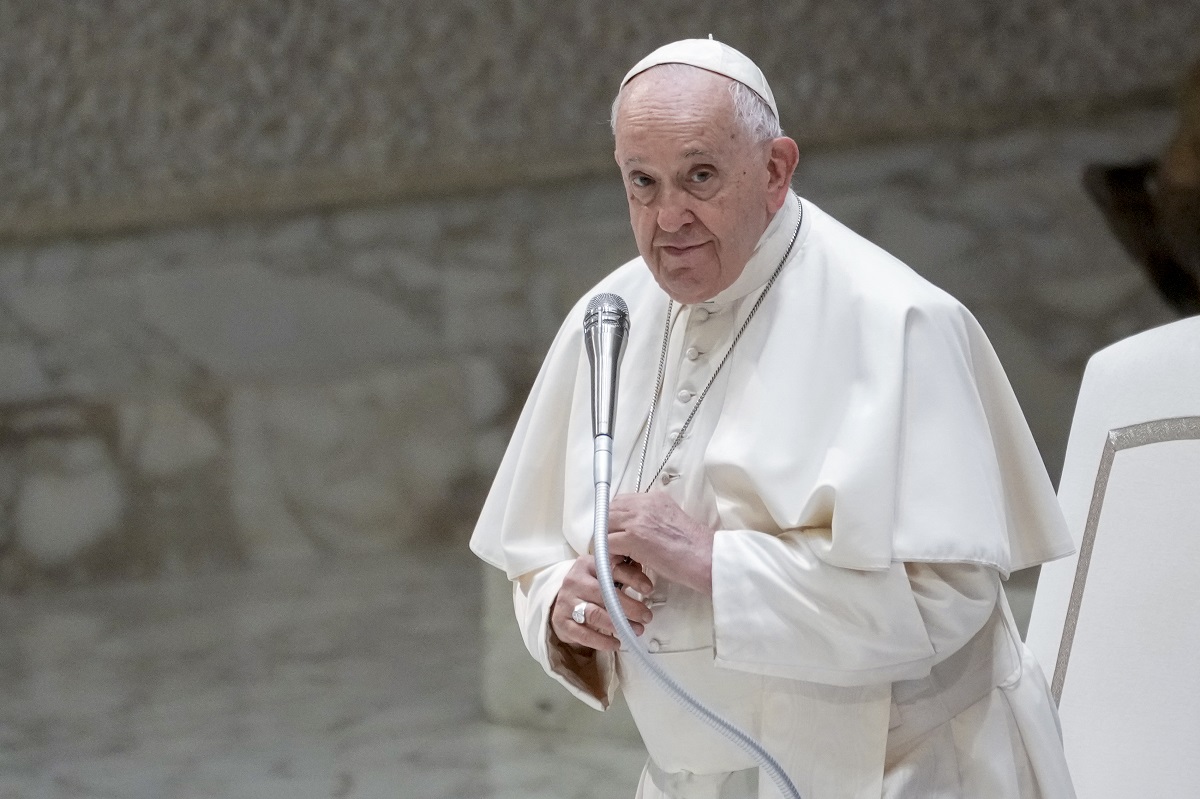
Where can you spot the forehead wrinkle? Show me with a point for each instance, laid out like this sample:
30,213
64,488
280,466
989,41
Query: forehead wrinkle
686,155
695,95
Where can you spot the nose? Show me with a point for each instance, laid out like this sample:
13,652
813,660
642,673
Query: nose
673,210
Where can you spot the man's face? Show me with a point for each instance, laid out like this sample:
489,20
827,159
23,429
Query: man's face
698,188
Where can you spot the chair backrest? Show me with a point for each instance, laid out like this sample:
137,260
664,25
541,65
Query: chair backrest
1117,626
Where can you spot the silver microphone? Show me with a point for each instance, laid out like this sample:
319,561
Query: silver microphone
605,325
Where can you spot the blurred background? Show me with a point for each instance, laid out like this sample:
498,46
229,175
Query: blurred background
275,278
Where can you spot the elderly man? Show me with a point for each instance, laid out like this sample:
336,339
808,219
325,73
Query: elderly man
821,473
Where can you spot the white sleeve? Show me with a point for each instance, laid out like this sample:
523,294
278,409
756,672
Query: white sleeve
780,609
591,677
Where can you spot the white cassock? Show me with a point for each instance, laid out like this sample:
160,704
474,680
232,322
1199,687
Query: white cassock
871,478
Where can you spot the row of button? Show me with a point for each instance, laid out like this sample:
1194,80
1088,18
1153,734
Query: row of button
700,314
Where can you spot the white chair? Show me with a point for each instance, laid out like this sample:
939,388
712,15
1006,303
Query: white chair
1117,626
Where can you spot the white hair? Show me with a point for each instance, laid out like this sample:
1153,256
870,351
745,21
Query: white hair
750,111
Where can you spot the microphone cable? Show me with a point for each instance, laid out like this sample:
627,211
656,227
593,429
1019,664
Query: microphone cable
602,464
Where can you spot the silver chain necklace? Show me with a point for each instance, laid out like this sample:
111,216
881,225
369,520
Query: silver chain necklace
662,366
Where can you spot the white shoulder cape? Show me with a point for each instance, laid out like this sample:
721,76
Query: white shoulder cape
861,399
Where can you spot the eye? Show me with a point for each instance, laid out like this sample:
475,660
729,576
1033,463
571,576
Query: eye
701,176
640,181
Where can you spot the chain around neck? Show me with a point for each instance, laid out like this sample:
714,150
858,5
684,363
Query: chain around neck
662,366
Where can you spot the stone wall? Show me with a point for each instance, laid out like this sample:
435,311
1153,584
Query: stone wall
143,113
325,383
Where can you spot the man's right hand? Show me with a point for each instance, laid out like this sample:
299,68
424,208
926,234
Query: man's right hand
597,631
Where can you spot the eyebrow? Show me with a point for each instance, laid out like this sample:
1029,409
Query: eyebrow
633,159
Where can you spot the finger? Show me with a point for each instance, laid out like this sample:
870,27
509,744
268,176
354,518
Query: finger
597,630
617,558
582,635
580,576
637,612
588,584
624,544
632,576
598,619
570,631
635,609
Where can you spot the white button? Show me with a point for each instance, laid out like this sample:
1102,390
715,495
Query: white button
684,395
667,477
674,435
654,644
702,314
692,353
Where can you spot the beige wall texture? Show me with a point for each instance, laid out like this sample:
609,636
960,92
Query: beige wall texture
275,278
143,112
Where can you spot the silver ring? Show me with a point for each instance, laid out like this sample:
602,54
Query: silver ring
577,613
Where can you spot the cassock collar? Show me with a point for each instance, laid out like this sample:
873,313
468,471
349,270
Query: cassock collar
770,248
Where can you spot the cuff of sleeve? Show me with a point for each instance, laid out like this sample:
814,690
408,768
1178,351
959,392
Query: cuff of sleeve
779,610
590,676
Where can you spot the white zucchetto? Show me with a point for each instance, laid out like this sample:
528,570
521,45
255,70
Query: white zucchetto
713,56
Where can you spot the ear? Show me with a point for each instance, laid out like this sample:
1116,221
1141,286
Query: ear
783,155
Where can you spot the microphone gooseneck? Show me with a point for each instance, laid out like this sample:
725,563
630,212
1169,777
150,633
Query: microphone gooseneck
605,326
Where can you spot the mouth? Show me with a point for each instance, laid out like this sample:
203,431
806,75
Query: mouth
677,250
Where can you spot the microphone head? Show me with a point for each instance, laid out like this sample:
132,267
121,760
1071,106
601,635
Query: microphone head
605,325
608,306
